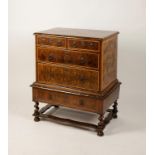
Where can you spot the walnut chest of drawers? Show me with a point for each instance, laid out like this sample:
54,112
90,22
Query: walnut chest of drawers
76,68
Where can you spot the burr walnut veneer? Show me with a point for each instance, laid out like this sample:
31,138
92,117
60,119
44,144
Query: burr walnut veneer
77,69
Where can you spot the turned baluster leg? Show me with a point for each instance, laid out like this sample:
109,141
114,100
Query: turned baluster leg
36,112
115,109
100,126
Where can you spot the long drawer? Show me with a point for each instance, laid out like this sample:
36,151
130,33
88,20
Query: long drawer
48,54
66,100
68,76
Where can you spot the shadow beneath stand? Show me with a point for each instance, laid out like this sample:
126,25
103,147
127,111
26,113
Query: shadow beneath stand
119,125
74,115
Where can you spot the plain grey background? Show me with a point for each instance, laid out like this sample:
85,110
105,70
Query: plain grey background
126,135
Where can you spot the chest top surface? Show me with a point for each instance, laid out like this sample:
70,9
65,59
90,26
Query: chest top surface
79,33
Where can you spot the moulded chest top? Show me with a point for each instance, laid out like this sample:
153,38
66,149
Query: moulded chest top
100,34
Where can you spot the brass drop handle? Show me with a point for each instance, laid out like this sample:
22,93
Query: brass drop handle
50,41
74,44
81,102
90,44
82,78
82,60
51,57
59,43
50,96
82,43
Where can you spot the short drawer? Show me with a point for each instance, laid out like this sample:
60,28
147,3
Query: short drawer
46,54
68,76
66,100
84,44
51,41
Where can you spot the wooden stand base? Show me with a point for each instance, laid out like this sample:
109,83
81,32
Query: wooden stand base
88,102
99,127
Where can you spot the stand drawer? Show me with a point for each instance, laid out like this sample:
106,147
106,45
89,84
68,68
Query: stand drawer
66,100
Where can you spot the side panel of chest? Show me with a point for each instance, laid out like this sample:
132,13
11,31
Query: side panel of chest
108,66
68,76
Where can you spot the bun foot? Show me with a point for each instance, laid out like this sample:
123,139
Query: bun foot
115,116
100,133
36,119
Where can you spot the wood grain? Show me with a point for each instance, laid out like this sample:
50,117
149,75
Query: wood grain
77,68
78,58
66,100
67,76
50,40
108,62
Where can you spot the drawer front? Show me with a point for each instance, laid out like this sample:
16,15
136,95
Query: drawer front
84,44
51,41
45,54
66,100
70,77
